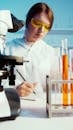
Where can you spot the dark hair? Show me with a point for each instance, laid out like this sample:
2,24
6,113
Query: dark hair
39,8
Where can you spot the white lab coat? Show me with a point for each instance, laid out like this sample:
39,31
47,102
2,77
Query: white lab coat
41,57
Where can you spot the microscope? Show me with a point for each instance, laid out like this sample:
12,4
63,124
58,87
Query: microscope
9,99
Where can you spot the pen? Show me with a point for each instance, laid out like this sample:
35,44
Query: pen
23,78
47,88
21,75
28,99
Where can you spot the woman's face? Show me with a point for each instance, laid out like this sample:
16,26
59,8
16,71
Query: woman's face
37,28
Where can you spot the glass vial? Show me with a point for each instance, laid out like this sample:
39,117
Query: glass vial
64,72
71,75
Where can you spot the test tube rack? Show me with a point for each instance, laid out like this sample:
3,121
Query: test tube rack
54,98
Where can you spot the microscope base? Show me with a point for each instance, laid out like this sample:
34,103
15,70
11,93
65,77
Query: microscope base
14,104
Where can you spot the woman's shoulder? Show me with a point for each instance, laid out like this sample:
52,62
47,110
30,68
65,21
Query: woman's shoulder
46,46
14,42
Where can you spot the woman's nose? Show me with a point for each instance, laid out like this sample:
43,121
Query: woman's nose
42,29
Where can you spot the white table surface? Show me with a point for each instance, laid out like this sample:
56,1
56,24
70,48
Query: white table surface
33,117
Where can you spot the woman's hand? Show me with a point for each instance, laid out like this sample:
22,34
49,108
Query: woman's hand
25,88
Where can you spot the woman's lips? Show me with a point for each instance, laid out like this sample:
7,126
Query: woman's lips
38,35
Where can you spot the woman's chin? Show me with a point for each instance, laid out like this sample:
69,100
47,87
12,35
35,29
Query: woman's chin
37,37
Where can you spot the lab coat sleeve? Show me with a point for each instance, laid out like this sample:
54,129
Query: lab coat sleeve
33,77
36,79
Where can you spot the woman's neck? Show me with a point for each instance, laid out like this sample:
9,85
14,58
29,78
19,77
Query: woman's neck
28,38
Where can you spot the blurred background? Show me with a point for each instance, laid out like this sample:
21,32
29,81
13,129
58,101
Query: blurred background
63,19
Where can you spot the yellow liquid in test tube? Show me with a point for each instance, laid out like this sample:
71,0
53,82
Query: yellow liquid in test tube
71,76
65,77
71,94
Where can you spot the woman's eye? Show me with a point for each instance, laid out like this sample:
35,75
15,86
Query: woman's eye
47,27
37,23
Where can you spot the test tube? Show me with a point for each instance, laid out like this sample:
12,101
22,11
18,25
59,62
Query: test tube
65,72
71,75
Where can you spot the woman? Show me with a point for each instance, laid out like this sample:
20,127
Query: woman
39,21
